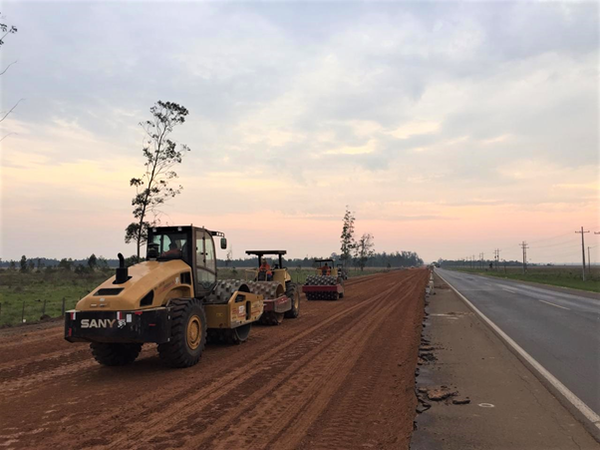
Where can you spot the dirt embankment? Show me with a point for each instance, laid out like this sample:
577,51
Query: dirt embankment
340,376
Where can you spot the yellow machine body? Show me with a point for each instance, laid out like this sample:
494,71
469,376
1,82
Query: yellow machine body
153,284
166,280
241,309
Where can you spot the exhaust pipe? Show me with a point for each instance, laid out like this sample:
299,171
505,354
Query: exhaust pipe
122,274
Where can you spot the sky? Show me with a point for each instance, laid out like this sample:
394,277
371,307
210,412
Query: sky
450,129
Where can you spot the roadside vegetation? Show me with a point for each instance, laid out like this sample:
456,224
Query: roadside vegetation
32,296
27,296
565,276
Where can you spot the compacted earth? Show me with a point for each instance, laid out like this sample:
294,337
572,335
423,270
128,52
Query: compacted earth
342,375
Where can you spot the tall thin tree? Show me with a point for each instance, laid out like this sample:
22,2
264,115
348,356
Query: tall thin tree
347,237
161,154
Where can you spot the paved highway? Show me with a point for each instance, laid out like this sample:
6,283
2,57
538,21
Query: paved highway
560,329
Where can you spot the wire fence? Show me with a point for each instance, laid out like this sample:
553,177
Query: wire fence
31,311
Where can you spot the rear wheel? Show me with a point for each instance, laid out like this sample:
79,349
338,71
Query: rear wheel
229,336
271,318
115,354
240,334
188,333
293,293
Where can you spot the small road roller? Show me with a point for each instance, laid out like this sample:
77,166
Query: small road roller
326,284
281,296
173,299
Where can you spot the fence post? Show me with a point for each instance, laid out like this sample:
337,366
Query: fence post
23,312
44,308
0,309
63,307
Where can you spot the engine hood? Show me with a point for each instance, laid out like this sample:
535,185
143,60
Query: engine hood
149,276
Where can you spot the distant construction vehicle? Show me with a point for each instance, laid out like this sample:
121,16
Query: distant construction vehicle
342,272
173,299
326,284
281,296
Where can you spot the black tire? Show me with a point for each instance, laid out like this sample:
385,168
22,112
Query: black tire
271,318
229,336
240,334
293,292
115,354
188,333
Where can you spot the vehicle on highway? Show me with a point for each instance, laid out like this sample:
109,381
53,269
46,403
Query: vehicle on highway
173,299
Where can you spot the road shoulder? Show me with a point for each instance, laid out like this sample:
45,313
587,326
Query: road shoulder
508,408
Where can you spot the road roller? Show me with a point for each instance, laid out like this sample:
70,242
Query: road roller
326,284
173,299
281,296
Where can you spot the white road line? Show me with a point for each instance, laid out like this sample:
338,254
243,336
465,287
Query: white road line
568,396
554,304
512,291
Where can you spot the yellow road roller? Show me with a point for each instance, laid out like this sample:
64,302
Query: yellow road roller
172,299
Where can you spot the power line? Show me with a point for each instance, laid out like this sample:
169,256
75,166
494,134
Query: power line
550,238
558,244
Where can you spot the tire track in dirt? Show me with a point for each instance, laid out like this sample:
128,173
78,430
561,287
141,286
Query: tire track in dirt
121,406
238,375
298,361
349,417
307,392
143,405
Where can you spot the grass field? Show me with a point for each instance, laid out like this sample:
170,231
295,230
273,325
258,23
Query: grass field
26,297
22,295
565,276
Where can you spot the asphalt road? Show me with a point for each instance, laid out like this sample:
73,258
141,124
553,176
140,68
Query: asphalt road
561,330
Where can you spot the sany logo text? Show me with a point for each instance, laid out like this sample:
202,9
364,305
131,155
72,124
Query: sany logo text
97,323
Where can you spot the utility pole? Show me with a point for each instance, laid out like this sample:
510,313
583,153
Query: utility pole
524,247
582,251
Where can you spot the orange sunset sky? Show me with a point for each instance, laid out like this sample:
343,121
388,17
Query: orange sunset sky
449,129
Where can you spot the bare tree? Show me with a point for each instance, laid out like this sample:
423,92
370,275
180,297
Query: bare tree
364,250
6,29
162,154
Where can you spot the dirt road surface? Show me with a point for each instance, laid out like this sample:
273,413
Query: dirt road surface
340,376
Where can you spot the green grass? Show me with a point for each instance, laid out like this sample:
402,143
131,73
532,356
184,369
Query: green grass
565,276
23,295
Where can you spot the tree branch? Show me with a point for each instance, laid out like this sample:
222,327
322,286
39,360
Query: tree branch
6,136
8,67
11,110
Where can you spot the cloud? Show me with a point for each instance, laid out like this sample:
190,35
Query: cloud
299,109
